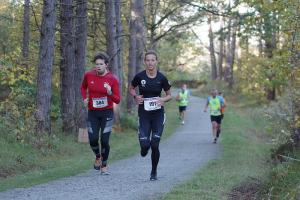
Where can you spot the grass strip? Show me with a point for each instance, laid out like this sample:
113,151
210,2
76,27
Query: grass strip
244,155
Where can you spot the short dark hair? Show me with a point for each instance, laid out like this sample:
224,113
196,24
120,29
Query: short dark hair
151,52
102,56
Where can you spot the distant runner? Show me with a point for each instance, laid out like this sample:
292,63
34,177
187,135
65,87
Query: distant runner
214,103
182,99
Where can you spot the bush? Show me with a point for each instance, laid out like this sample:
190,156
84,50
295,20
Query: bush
285,118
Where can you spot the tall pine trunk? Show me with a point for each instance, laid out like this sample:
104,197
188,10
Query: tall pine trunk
221,50
232,54
230,57
94,27
26,25
152,8
44,76
269,37
80,55
132,56
119,35
111,47
140,34
67,66
111,41
212,52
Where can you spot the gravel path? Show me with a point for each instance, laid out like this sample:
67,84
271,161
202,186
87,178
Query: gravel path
181,155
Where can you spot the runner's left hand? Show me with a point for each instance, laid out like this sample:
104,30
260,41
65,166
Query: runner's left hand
108,88
161,102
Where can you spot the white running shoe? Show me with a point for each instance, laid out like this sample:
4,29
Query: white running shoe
104,171
182,122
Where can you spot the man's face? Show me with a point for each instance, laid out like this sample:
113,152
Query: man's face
214,93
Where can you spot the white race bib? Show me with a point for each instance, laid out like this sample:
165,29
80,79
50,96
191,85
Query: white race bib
100,102
151,103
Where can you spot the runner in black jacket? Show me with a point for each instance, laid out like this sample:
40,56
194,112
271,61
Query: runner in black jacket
150,83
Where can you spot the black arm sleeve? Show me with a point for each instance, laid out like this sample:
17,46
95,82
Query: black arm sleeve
135,81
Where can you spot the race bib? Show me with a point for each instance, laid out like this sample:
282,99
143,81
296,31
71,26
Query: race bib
151,104
215,112
100,102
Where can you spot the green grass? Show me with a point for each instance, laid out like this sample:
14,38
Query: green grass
31,166
245,154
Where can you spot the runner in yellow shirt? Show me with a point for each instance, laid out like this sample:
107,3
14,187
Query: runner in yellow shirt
214,103
182,99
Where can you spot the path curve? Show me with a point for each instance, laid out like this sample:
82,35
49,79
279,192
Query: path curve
188,149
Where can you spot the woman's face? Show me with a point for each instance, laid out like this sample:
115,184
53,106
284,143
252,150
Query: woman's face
101,67
150,62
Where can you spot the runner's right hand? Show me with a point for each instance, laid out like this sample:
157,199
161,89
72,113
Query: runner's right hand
139,99
86,102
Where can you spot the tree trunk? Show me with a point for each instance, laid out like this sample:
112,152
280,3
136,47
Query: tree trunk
269,37
67,66
132,56
232,54
119,32
94,28
238,50
80,54
212,52
140,33
26,24
44,76
153,6
110,22
228,54
230,58
260,40
111,40
221,49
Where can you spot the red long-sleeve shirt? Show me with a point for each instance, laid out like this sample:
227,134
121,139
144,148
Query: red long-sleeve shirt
93,84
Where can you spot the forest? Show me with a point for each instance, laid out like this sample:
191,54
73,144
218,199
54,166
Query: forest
247,48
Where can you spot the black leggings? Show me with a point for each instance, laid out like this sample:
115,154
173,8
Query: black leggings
151,124
100,119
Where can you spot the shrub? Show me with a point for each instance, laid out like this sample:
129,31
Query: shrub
285,117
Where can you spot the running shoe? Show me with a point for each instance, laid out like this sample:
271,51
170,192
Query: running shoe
215,141
97,163
218,132
104,170
144,151
153,176
182,122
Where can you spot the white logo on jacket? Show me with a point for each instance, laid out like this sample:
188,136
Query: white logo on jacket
143,82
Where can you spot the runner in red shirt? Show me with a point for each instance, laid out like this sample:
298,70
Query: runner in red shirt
99,90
